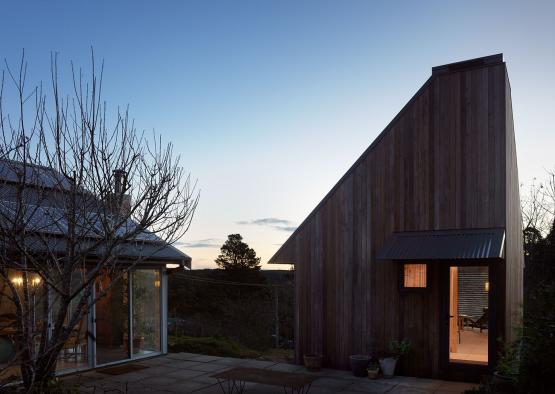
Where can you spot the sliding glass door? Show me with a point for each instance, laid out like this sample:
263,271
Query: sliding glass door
112,318
128,317
146,311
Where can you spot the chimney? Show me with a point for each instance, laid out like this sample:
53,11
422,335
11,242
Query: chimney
120,183
119,179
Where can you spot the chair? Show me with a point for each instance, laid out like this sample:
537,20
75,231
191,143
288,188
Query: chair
74,343
482,322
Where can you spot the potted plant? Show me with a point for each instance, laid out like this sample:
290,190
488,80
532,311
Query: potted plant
359,363
506,373
313,362
397,350
373,369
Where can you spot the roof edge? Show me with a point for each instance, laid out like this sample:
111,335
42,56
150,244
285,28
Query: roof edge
468,64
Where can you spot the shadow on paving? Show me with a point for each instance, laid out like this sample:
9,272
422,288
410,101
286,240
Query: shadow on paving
191,373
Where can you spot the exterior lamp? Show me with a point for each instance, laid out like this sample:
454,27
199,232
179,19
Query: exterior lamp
157,283
18,281
486,286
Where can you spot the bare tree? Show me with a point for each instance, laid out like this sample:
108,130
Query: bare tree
538,204
76,193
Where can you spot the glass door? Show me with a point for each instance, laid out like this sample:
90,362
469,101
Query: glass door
469,288
146,311
112,318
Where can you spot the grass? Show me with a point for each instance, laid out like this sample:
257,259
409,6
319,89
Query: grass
224,347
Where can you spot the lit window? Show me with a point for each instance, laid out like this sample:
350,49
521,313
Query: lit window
414,276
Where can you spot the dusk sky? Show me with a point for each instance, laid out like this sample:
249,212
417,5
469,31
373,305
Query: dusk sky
270,102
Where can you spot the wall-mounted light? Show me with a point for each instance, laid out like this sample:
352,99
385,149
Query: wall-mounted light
18,281
486,286
172,266
157,283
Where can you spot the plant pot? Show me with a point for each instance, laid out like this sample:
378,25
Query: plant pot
387,364
373,373
359,363
503,383
312,362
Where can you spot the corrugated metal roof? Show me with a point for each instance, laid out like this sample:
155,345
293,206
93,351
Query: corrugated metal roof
445,245
14,171
147,252
52,224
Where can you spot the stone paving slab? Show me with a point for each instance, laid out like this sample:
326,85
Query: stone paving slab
230,361
205,359
186,374
206,379
258,364
370,386
330,383
181,356
191,373
286,368
210,367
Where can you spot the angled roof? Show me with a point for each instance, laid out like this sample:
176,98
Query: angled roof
436,71
468,244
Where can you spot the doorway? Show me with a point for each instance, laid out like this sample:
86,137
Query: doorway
467,331
112,318
468,314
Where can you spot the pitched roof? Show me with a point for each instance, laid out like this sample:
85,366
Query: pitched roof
52,222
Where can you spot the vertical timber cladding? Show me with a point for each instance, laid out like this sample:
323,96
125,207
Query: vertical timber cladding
444,162
514,255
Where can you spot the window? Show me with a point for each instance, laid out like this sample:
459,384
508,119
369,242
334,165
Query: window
146,311
414,276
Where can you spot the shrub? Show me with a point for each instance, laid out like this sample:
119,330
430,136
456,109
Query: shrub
212,346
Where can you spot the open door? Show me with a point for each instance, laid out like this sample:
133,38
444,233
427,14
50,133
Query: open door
466,332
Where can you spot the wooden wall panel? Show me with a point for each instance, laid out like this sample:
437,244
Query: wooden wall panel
440,164
514,258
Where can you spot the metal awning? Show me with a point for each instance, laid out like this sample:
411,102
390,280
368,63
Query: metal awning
445,245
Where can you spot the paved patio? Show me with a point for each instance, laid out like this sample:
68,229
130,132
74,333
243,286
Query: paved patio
190,373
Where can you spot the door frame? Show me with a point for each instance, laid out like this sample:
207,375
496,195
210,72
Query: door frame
461,371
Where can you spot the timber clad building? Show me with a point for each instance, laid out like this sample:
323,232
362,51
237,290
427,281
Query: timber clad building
421,238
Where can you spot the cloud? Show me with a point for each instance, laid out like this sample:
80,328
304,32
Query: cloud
201,243
275,223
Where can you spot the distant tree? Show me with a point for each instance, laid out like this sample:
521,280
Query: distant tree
236,255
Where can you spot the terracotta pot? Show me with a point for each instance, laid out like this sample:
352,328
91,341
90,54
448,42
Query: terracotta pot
373,373
312,362
387,364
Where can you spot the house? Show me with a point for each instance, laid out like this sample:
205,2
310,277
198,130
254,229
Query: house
130,322
422,237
